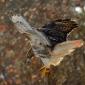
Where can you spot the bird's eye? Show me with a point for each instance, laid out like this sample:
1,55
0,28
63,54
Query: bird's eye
40,43
19,22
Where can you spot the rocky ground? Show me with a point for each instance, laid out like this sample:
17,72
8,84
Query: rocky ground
14,69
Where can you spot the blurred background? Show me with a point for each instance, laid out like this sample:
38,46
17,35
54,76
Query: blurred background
14,69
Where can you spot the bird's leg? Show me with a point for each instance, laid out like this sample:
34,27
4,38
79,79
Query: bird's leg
44,71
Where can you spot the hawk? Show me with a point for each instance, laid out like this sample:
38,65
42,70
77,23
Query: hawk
50,43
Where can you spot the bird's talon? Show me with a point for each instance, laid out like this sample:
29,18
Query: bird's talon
44,71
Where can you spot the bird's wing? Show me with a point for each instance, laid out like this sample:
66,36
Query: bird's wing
67,24
61,50
63,25
63,47
57,30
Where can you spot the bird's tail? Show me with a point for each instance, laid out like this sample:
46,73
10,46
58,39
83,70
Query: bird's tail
22,25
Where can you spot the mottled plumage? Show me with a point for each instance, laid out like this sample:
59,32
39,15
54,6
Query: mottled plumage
49,44
57,31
